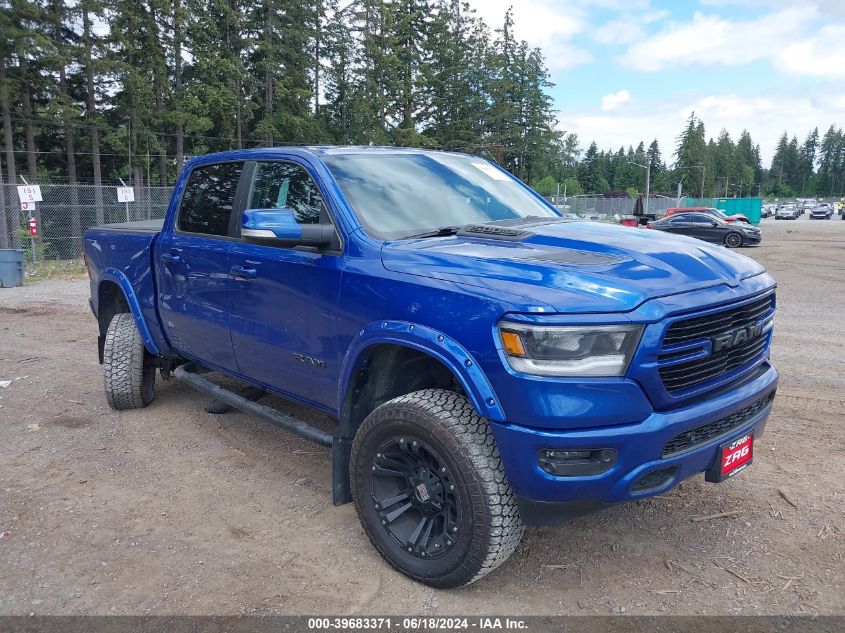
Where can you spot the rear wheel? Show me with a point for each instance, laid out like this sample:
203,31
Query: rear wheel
733,240
129,374
430,491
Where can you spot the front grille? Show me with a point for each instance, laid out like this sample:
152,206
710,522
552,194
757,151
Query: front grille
682,376
713,430
718,323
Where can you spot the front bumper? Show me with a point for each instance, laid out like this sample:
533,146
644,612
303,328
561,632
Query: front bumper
639,447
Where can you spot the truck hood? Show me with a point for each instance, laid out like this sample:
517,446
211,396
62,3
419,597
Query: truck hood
575,266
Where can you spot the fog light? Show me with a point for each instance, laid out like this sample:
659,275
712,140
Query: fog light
561,455
576,463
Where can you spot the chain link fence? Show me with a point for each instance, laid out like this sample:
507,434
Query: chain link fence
67,211
608,208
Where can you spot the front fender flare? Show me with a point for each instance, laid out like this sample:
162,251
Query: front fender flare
116,276
434,343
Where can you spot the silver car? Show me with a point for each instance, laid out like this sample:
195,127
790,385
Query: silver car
787,212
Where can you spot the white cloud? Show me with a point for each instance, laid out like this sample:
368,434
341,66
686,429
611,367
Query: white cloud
712,40
822,55
627,28
765,118
614,100
546,24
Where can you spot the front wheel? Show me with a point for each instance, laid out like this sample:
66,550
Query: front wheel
733,240
129,375
430,490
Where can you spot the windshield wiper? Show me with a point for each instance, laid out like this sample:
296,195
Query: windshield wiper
442,231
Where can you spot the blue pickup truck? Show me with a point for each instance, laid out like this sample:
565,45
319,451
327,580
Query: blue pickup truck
489,364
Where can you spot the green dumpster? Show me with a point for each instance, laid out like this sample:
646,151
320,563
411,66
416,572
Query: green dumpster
749,207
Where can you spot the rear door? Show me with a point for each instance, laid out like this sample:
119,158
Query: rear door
283,323
194,286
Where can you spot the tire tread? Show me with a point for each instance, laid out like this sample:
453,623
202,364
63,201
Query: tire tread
126,377
472,434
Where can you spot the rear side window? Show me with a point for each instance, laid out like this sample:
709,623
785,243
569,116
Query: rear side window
287,186
208,199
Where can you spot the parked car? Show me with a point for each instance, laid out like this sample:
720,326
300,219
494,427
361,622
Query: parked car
488,363
718,213
767,210
708,228
787,212
821,212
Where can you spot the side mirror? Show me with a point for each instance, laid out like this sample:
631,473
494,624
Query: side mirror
278,227
714,223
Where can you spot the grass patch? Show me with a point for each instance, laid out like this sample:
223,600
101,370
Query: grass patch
63,269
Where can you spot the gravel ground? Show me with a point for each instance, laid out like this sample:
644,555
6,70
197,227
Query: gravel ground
170,510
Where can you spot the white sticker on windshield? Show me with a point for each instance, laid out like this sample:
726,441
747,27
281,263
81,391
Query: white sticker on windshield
491,171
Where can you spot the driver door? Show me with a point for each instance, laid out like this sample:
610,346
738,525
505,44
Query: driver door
707,228
283,324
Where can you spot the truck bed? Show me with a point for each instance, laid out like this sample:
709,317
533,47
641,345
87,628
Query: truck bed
138,226
122,254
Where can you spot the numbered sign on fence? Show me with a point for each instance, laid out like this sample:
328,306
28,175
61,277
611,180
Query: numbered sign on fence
29,193
125,194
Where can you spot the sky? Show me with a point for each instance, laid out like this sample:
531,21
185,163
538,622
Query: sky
632,70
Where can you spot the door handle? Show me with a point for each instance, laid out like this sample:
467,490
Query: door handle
171,258
239,272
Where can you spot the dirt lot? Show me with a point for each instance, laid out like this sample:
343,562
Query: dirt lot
172,510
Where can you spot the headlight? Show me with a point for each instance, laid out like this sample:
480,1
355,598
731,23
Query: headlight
551,350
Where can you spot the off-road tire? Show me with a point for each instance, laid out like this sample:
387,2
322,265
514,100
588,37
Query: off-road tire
129,376
490,526
733,240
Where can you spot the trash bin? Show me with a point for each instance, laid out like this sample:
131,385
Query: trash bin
11,267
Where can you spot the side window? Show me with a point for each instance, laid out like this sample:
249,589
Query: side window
699,218
287,185
208,199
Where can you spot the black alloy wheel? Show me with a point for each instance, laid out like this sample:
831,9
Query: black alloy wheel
415,497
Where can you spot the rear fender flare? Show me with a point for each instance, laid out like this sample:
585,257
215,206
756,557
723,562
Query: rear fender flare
434,343
116,276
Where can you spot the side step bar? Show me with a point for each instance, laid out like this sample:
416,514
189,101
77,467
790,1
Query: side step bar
189,373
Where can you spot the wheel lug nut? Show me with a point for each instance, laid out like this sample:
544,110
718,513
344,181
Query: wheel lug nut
455,529
448,542
451,486
409,549
443,470
378,507
414,443
383,522
374,467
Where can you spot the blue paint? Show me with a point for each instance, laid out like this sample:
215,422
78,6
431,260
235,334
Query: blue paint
247,309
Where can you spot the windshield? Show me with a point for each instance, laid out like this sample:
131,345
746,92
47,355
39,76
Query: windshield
401,195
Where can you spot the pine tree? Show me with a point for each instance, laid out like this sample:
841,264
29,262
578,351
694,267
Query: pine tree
691,153
807,160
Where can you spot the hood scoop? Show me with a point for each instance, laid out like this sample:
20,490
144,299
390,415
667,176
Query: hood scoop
511,230
493,232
